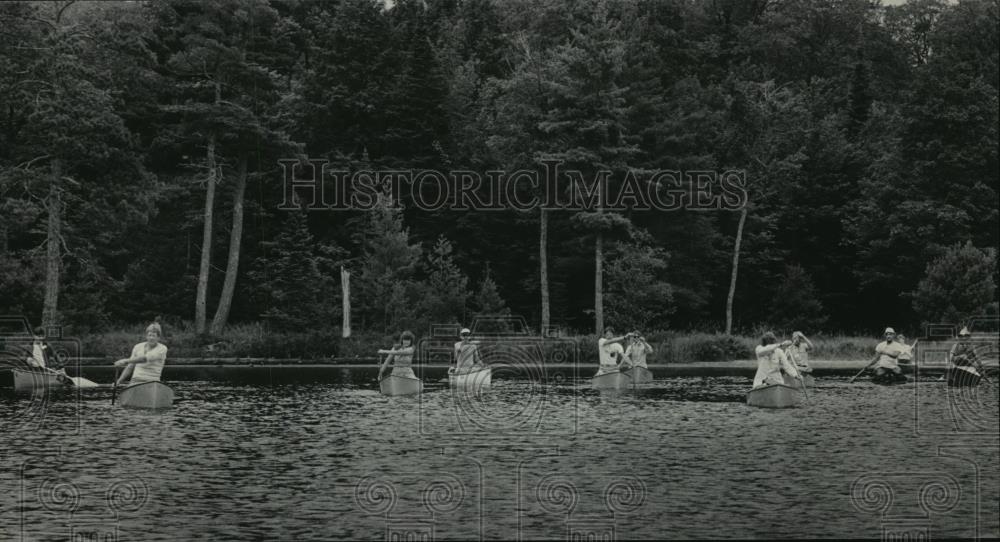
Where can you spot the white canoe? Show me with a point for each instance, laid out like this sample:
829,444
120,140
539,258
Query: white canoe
639,375
612,380
477,379
774,396
807,379
27,381
146,395
400,385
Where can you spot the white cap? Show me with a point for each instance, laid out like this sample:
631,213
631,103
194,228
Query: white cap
965,331
890,330
464,331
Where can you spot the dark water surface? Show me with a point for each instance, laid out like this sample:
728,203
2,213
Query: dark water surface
685,458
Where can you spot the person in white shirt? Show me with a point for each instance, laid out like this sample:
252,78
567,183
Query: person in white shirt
467,356
609,351
147,359
886,358
771,361
401,357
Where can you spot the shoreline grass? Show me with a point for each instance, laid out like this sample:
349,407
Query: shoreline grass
255,341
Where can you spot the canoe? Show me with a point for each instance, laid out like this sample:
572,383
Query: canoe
614,380
29,380
774,396
146,395
400,385
639,375
478,379
963,376
888,379
807,379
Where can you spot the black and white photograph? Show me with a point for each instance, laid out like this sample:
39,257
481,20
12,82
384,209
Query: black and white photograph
422,270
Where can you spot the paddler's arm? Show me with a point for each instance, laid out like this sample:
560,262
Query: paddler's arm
616,339
384,364
649,347
126,374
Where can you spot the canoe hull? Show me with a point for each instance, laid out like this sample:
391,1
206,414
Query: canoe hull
889,379
640,375
153,395
774,396
614,380
807,379
960,377
475,380
400,385
28,381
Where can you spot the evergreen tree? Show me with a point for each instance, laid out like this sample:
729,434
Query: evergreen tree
446,287
959,284
294,285
388,266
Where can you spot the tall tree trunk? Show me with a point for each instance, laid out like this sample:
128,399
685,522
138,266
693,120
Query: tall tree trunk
206,241
235,238
345,286
53,256
736,267
543,265
599,284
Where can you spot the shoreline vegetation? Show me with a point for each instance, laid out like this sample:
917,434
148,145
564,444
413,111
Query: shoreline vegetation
254,341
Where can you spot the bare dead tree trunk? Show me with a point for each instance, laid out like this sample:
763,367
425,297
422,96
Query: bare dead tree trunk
543,264
235,241
206,241
599,283
53,256
736,267
345,286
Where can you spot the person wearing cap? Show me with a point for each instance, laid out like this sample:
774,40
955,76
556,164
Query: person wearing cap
401,357
886,358
610,351
467,357
798,352
147,359
772,361
963,357
638,348
42,355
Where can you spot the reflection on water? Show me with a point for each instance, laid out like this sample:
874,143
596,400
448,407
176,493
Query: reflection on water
683,458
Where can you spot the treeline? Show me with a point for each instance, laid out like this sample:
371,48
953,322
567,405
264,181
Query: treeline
139,149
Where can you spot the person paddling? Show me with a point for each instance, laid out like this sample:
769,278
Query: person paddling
401,357
798,352
963,357
609,351
771,361
638,348
886,358
42,355
467,356
147,359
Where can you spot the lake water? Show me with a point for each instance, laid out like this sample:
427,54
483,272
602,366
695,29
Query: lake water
685,458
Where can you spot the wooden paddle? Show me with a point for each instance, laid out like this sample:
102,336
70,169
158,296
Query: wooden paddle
863,369
114,387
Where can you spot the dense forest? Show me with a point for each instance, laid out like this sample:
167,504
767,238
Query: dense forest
140,146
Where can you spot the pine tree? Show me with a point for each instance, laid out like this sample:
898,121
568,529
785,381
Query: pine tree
446,290
290,285
388,267
958,284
